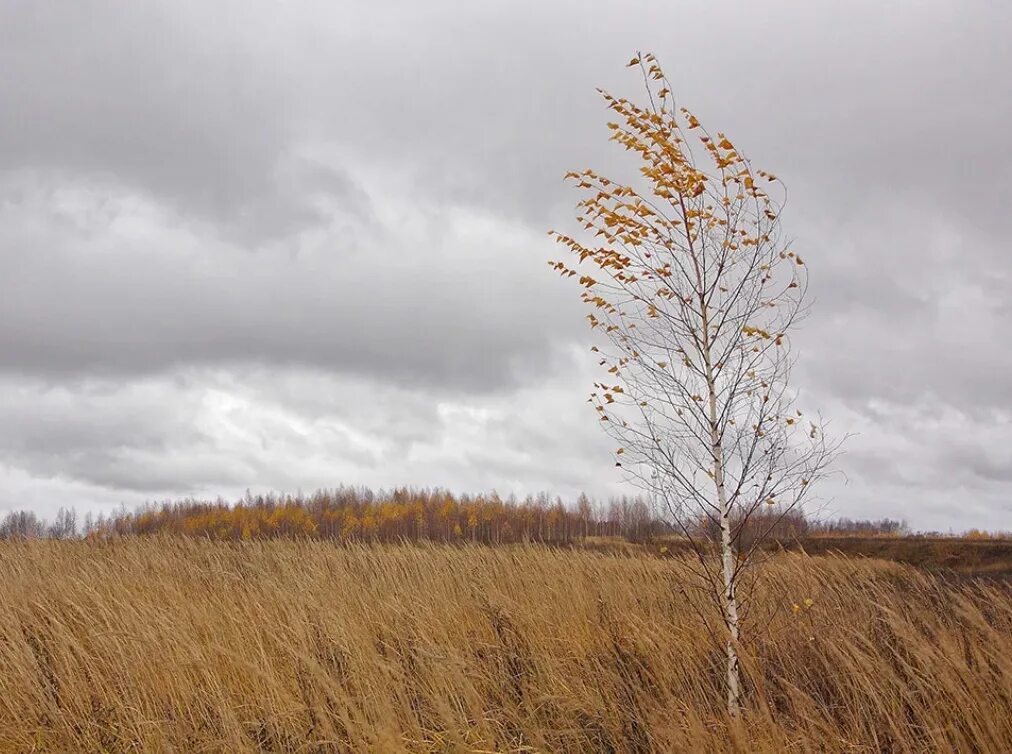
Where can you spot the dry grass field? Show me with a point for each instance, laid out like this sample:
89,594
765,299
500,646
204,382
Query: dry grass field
172,645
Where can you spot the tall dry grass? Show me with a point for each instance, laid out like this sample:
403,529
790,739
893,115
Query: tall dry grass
192,646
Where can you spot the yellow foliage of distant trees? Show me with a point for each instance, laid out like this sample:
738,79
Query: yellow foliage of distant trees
352,514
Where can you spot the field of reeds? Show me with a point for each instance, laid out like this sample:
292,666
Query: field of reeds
188,645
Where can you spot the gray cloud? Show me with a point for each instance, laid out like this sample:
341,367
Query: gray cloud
210,432
101,283
253,244
149,98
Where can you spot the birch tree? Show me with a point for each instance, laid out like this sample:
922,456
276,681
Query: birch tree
695,291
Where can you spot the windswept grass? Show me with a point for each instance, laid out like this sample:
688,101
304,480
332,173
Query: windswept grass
172,645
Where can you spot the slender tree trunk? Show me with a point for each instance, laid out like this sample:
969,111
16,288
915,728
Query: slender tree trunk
729,599
730,615
727,556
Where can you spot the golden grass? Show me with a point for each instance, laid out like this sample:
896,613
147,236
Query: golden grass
147,645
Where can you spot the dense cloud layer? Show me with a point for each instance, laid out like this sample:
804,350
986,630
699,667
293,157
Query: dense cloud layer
282,246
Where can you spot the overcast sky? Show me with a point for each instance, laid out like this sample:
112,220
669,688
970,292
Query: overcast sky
290,245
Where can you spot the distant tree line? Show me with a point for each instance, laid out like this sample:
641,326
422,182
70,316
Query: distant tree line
359,514
851,527
26,525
